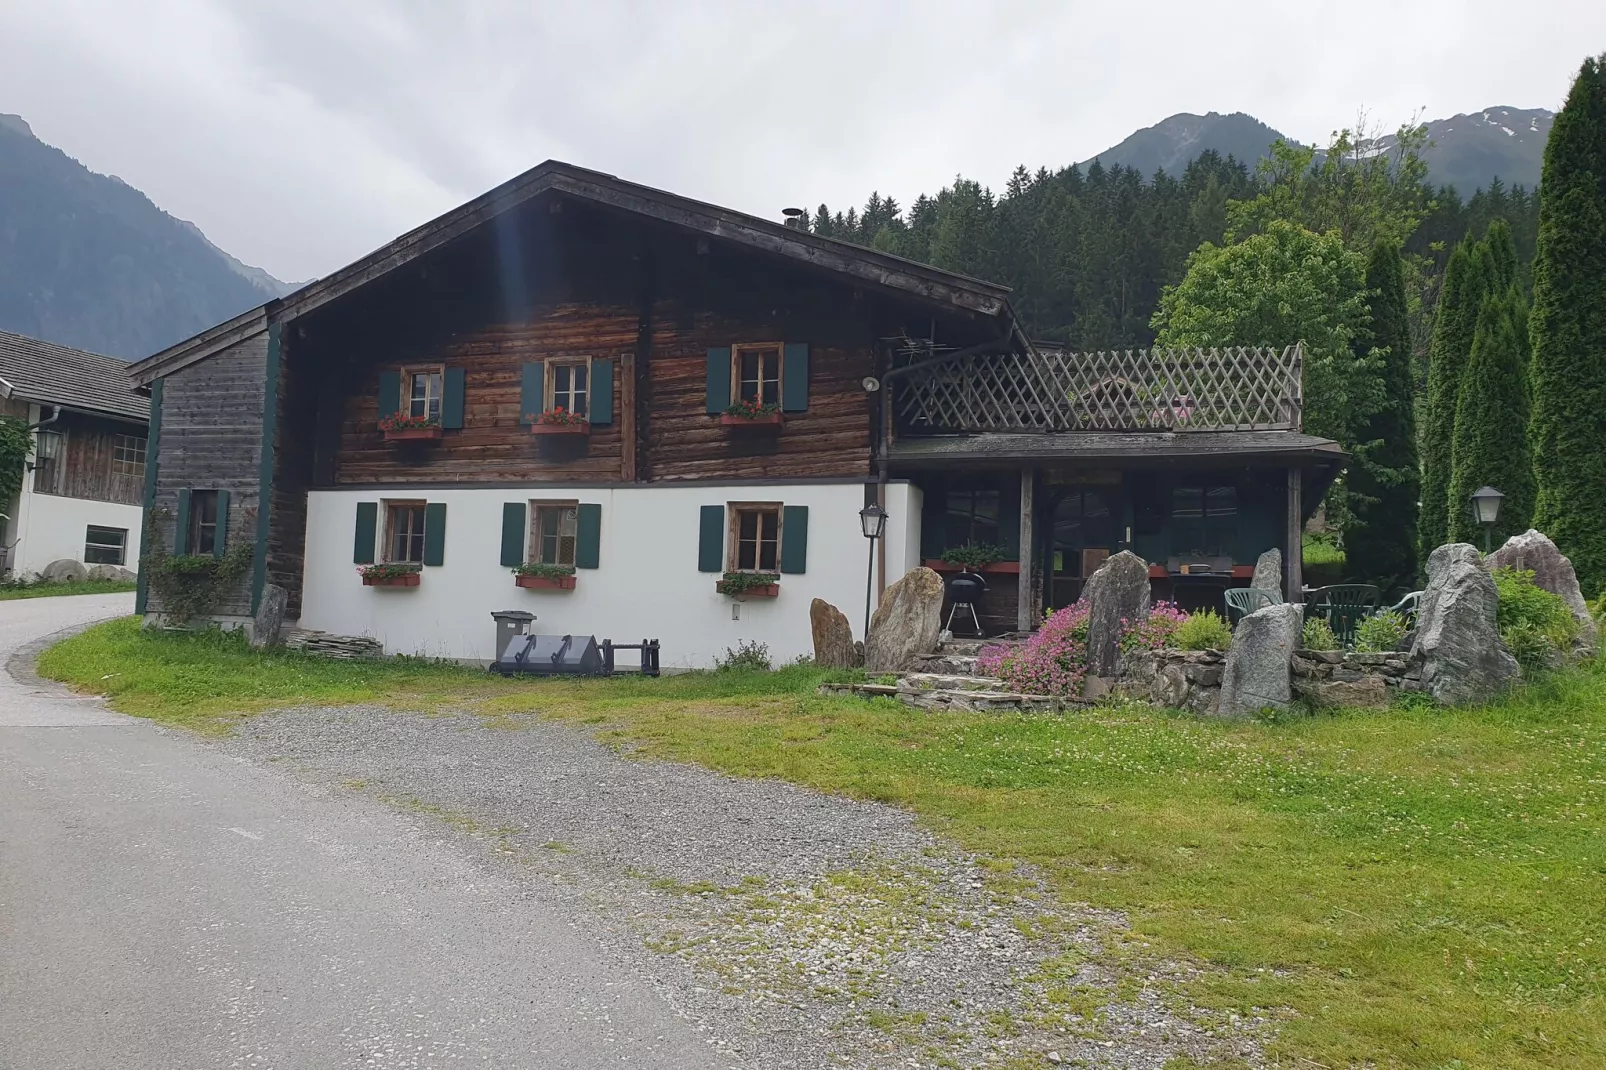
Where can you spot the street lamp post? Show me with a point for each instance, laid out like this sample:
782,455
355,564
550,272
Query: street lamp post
873,521
1486,510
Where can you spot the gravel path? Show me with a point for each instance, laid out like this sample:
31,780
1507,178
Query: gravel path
800,930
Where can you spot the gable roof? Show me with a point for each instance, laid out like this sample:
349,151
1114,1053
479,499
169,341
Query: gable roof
865,265
49,374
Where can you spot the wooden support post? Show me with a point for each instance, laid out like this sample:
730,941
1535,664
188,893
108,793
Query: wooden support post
627,417
1293,551
1027,605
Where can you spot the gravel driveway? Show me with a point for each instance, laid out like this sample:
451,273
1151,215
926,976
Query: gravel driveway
800,930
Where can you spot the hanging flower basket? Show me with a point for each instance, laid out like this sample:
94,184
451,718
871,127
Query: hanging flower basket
401,428
391,575
538,577
558,422
749,585
751,414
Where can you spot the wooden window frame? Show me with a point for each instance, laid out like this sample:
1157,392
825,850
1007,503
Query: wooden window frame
199,526
733,535
137,447
408,372
532,547
392,507
779,349
549,384
122,545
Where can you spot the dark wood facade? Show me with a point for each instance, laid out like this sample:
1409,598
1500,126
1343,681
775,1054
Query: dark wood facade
95,459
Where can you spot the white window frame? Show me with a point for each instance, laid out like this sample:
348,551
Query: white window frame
738,351
550,387
121,545
434,390
128,455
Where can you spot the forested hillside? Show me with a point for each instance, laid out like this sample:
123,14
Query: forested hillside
88,261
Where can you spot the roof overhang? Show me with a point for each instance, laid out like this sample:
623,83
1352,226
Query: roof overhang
1132,449
861,264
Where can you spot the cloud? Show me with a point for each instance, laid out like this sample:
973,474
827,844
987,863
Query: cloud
301,134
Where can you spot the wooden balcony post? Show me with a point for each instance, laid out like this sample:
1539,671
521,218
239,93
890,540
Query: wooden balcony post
1294,553
1028,603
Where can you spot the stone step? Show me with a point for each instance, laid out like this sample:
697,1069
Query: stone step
967,701
930,681
949,664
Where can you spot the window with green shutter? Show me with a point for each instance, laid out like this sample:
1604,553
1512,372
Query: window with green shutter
513,531
367,532
794,538
711,539
435,533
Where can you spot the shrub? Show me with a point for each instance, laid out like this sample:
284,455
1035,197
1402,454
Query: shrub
1318,635
1204,630
1535,623
1380,632
1052,662
1159,630
749,656
973,555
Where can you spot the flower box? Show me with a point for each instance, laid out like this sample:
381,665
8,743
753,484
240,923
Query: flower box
579,428
545,583
768,590
937,564
406,579
768,419
412,434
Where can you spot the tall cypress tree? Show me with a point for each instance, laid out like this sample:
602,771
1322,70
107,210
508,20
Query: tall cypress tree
1491,422
1384,482
1460,299
1568,330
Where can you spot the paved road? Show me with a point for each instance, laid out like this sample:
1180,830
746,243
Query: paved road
165,906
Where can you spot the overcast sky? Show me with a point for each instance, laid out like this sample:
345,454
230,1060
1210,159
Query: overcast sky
300,134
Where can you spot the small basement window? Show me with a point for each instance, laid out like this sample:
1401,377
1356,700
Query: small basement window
755,537
128,456
105,546
404,532
203,522
568,385
423,390
756,373
552,532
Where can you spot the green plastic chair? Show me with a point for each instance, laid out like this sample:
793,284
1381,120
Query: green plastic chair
1344,606
1242,601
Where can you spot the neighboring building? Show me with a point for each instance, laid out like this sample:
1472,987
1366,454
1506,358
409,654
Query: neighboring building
645,316
83,483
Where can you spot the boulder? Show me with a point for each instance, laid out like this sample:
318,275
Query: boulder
269,620
1552,571
1368,691
1257,674
1269,572
1116,595
906,623
834,647
65,570
1458,633
112,573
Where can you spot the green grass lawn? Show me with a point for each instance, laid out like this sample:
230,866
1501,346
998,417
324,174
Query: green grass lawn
1415,887
46,589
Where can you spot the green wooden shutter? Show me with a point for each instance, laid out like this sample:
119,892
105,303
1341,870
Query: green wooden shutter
362,552
452,398
711,539
435,533
181,525
514,529
601,407
795,377
719,380
588,536
222,536
532,392
389,394
794,538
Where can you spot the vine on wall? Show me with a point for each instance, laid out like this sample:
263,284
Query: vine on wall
15,443
190,585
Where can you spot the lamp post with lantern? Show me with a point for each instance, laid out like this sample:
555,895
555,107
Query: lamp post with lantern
1486,511
873,521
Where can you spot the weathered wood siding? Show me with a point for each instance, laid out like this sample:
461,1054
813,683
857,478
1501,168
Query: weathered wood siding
87,470
293,453
211,439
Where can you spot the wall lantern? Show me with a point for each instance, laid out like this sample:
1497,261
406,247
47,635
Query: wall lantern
1486,510
873,521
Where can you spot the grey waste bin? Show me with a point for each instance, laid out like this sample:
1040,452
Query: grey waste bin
509,622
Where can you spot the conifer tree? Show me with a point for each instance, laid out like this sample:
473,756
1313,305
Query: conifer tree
1460,300
1568,331
1384,482
1491,423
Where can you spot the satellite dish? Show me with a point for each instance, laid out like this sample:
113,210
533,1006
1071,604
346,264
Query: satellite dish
871,384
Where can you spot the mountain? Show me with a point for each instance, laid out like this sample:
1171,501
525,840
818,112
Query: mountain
88,261
1468,150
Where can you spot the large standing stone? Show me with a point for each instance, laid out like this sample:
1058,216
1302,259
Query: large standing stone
1269,572
65,570
1117,595
1258,661
1552,571
906,623
834,647
270,616
1458,631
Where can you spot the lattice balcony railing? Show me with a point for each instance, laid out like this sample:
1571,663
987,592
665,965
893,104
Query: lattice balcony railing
1241,388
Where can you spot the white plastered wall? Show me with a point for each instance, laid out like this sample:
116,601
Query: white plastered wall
50,527
647,585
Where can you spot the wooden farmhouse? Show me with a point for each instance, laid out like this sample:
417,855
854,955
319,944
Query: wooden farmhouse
580,373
